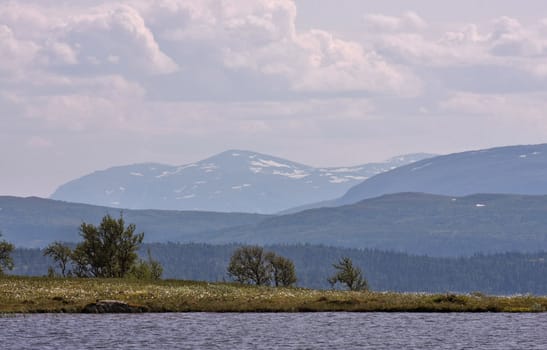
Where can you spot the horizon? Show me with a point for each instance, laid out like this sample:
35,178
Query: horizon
48,196
87,85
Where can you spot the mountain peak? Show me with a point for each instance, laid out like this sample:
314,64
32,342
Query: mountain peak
231,181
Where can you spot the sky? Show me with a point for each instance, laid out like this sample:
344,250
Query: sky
90,84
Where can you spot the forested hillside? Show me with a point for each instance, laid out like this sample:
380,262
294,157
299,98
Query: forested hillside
36,222
507,273
415,223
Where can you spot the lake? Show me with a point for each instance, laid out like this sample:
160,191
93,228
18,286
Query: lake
274,331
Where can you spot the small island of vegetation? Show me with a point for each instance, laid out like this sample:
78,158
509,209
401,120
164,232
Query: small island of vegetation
41,294
104,267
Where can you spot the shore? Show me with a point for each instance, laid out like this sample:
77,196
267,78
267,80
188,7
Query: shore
54,295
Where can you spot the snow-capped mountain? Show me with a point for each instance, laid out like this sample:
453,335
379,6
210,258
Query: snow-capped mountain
520,169
232,181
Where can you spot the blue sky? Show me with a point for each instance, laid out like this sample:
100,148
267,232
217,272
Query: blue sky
85,85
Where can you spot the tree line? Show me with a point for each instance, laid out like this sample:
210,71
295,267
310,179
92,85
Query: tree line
109,250
505,273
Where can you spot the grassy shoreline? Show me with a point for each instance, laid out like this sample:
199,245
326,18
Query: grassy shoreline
39,295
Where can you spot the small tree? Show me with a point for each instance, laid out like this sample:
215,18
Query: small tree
109,250
147,270
6,261
252,265
248,265
282,269
61,254
349,275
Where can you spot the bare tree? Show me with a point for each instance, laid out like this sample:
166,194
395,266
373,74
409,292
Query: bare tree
61,254
349,275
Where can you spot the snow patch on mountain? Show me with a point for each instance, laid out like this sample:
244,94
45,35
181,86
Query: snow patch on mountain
345,170
210,167
176,171
268,163
295,174
239,187
338,180
421,167
255,170
358,178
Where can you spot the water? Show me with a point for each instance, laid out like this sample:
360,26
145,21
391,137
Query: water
275,331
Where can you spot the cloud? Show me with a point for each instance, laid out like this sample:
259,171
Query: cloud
521,108
38,142
15,54
316,61
408,22
510,38
114,38
259,38
501,55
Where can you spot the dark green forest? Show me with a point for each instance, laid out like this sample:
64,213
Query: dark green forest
502,274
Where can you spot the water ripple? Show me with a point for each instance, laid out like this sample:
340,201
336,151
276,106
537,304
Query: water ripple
275,331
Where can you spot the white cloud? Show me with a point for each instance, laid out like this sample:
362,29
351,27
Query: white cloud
39,142
30,21
14,53
409,21
520,108
117,31
260,37
510,38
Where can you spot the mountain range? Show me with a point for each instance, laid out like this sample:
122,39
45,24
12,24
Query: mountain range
232,181
415,223
510,170
433,206
36,222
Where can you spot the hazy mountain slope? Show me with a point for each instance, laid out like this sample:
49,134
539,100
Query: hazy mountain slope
515,169
411,222
415,223
233,181
32,222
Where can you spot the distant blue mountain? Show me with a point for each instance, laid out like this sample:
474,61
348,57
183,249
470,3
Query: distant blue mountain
510,170
233,181
415,223
36,222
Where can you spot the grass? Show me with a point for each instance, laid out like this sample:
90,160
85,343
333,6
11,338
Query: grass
38,294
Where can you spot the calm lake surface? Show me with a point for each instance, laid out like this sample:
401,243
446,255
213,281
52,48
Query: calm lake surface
275,331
